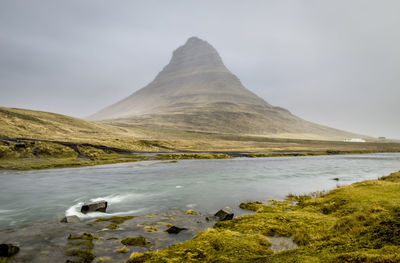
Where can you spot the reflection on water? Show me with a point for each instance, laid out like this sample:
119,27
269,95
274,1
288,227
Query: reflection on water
206,185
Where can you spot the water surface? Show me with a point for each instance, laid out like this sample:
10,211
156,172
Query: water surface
204,185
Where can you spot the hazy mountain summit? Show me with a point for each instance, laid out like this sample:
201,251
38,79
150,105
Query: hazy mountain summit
196,91
195,74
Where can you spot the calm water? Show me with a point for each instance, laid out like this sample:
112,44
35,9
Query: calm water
204,185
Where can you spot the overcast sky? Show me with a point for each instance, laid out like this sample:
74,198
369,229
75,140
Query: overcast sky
334,62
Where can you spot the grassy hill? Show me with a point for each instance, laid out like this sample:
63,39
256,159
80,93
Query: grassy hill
35,139
22,123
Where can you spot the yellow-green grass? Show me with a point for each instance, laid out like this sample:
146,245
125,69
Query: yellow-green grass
26,155
356,223
304,153
180,156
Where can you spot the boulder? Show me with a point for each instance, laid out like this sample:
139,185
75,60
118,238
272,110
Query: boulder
175,230
70,219
99,206
225,213
8,250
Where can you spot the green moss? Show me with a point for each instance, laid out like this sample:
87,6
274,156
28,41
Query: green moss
393,177
84,236
87,243
210,245
190,212
123,249
29,163
82,246
284,154
306,153
135,241
356,223
179,156
86,256
115,219
151,229
112,226
252,206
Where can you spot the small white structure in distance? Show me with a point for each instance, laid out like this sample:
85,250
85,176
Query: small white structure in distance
354,140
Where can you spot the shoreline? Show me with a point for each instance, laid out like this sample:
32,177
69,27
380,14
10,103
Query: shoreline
289,221
26,164
33,154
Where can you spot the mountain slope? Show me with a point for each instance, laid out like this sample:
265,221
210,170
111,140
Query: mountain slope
195,91
31,124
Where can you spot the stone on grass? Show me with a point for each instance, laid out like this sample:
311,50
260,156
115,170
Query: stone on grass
225,213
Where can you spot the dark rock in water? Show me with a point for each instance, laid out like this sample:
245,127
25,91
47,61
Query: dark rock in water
336,179
8,250
99,206
70,219
224,214
175,230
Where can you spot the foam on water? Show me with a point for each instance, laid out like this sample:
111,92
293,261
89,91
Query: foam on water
75,210
115,198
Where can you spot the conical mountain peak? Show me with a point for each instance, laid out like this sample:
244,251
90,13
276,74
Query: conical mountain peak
196,92
195,55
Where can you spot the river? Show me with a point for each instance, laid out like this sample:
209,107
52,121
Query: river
203,185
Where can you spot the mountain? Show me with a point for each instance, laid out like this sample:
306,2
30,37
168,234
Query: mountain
196,92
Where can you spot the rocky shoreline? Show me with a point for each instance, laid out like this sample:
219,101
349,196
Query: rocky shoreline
354,223
105,238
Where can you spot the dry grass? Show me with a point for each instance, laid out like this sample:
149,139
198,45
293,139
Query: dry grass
93,139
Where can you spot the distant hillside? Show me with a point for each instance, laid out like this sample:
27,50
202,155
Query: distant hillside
196,92
30,124
38,124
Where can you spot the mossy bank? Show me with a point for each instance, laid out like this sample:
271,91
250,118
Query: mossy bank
355,223
27,154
